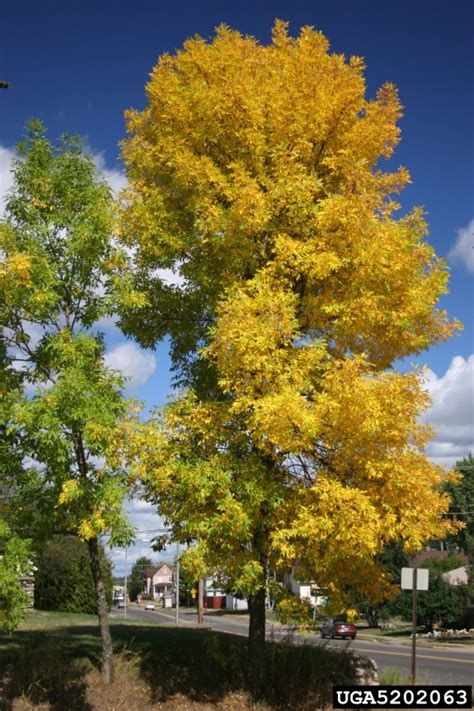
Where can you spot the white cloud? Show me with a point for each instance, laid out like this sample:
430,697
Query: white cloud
6,158
115,178
463,250
134,363
452,411
144,518
108,325
172,277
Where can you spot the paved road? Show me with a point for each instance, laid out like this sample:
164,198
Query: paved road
434,665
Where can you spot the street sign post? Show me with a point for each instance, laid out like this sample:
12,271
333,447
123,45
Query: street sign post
422,578
414,579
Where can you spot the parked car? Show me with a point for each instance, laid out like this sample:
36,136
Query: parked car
338,627
150,606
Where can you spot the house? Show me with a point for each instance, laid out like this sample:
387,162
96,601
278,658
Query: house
232,602
458,576
305,590
429,554
159,581
214,596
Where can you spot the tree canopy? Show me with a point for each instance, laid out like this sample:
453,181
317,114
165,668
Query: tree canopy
63,579
137,577
58,274
257,169
256,176
462,504
442,602
15,562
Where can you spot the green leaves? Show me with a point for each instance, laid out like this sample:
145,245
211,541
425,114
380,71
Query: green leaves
57,242
60,272
14,563
63,580
462,494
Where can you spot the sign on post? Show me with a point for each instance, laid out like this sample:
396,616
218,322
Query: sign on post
422,578
414,579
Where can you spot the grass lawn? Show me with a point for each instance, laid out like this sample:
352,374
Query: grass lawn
52,662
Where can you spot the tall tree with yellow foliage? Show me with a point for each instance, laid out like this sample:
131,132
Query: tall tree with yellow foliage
255,175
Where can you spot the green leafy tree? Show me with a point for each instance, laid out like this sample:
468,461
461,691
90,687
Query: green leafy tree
19,486
63,579
137,576
25,501
14,563
58,275
442,602
462,504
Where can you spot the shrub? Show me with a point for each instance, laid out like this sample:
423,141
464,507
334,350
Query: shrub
64,581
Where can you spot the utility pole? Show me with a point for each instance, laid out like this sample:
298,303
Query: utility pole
177,584
201,601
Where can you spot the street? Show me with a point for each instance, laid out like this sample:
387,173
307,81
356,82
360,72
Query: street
435,665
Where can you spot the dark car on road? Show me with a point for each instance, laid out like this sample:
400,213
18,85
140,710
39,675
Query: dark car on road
338,627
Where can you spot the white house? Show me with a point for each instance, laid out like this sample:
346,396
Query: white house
303,589
458,576
159,581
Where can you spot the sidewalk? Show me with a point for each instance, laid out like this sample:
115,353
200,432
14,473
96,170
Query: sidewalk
420,642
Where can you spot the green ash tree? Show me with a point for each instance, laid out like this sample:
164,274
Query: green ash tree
59,276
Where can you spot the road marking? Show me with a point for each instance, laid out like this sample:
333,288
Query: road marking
172,617
418,656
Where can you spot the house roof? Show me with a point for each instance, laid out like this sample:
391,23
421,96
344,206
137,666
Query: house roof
150,572
435,555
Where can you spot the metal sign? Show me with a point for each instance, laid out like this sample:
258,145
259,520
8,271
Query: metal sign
422,578
414,579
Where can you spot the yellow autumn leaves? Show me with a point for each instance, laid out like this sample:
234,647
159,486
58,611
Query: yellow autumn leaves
256,172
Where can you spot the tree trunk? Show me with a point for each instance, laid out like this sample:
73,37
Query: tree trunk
107,651
372,618
256,637
201,601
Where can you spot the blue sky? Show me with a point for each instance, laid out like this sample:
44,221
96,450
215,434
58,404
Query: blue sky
78,65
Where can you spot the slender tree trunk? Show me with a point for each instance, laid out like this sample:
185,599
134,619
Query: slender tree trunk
201,601
256,637
107,651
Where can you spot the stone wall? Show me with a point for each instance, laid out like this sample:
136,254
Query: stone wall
365,671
